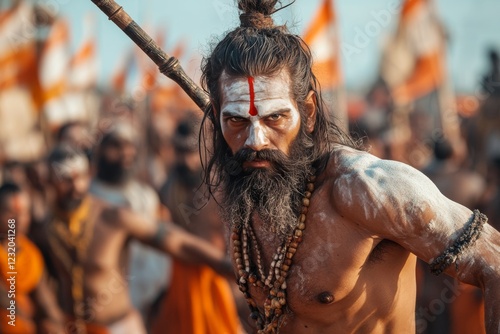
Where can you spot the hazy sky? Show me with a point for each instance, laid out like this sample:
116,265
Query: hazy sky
473,26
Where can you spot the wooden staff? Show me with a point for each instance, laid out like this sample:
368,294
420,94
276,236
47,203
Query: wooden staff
169,66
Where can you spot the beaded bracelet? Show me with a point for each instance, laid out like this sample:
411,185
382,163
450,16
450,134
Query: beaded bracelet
468,237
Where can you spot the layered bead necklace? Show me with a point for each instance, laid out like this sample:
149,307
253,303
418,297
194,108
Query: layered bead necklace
244,240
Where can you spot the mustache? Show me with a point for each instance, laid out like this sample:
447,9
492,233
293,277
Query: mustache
247,154
234,165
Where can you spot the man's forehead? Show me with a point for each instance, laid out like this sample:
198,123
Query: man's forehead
70,167
237,88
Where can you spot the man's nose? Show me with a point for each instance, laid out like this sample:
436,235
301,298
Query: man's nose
257,139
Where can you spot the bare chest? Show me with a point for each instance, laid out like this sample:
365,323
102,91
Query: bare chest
97,247
324,268
107,249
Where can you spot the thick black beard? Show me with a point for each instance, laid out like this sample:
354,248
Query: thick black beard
274,193
112,172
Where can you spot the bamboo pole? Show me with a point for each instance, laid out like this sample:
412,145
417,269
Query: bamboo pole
168,65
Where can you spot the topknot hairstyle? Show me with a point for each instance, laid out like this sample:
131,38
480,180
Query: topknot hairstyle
257,13
265,7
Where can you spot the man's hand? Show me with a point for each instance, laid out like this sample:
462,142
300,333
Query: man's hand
189,248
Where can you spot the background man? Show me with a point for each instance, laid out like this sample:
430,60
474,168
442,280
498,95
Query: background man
199,300
35,304
87,240
115,182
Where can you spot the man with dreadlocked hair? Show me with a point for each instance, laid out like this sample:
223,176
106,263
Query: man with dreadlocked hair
323,236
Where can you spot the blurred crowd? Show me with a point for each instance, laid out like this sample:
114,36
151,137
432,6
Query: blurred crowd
149,169
154,167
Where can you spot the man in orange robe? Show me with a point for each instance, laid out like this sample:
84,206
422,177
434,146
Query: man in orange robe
199,300
24,294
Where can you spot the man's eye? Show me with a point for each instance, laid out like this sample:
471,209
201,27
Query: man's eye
275,117
236,119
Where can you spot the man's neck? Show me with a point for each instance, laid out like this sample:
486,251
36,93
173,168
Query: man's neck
63,211
114,182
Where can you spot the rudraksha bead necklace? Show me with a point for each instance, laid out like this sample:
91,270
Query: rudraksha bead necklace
244,239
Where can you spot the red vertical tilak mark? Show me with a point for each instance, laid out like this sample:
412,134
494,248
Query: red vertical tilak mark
252,111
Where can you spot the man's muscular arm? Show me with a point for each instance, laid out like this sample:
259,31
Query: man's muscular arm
396,202
173,240
189,248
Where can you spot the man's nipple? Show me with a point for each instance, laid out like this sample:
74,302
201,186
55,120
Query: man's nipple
325,297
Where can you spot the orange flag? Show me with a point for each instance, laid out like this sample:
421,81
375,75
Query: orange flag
121,72
167,95
20,138
322,38
149,70
54,68
84,68
17,47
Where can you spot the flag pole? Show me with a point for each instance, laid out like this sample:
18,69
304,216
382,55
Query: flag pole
168,65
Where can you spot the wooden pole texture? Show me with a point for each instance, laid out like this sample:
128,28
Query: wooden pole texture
169,66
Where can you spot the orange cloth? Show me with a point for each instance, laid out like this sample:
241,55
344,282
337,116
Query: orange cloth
322,38
410,7
467,311
199,301
428,74
96,329
29,269
91,328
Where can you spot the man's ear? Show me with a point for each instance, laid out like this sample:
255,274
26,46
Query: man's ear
310,109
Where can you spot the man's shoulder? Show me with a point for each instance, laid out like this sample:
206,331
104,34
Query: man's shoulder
104,212
350,162
141,186
345,159
361,181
